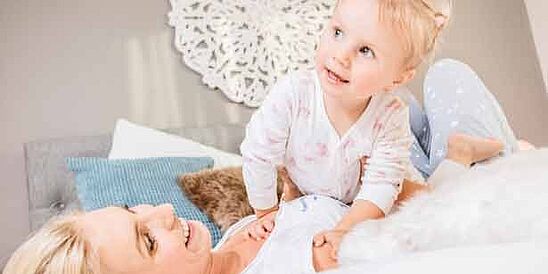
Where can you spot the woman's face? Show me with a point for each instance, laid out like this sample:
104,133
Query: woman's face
146,239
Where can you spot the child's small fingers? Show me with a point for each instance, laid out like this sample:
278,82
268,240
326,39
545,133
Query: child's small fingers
259,232
264,228
249,234
256,232
252,234
268,226
319,240
263,231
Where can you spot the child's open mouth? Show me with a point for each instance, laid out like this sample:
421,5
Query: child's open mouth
335,78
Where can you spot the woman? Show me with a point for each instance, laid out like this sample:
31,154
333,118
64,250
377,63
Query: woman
147,239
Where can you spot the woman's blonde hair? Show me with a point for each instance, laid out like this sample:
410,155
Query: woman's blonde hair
419,23
57,248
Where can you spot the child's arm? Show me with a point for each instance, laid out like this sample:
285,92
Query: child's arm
389,161
359,211
263,149
383,175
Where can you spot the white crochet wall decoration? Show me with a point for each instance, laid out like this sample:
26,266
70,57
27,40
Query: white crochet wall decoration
242,46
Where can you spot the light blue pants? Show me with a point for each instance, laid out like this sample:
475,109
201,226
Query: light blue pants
455,100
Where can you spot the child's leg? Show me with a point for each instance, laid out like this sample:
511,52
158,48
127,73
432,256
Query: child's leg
421,133
462,151
456,100
290,190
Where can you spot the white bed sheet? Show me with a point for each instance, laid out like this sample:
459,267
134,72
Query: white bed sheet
509,258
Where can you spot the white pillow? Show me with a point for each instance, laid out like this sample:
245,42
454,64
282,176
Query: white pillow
132,141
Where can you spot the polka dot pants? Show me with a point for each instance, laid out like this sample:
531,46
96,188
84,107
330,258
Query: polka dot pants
455,100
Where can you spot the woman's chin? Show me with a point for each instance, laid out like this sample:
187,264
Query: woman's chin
200,239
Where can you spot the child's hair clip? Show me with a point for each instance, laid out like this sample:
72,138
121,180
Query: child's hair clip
440,19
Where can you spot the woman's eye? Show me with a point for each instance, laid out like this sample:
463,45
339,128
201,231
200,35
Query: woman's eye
367,52
150,242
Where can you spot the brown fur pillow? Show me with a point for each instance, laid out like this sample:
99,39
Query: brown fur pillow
220,194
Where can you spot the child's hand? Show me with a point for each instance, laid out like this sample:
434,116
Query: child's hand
333,237
261,228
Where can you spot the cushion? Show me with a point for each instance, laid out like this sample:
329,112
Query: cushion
220,194
101,182
132,141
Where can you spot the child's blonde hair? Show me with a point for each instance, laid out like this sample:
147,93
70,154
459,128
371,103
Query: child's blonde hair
419,23
57,248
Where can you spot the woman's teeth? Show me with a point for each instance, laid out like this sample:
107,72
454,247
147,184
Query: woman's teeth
186,231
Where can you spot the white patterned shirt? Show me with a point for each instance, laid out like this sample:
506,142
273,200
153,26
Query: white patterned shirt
292,129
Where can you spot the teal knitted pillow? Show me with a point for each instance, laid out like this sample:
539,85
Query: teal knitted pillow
101,183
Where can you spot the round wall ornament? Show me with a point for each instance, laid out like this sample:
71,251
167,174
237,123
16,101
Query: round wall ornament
242,46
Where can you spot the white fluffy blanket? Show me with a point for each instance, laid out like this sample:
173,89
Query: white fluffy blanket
505,201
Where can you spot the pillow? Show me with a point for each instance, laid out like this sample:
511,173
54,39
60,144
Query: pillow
132,141
221,194
102,182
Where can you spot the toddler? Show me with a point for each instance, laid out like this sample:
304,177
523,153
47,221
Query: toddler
338,130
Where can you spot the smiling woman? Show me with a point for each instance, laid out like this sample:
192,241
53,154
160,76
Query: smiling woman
145,239
141,239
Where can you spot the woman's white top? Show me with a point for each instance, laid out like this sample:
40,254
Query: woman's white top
288,249
292,129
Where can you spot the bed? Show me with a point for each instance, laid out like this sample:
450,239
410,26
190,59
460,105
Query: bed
52,192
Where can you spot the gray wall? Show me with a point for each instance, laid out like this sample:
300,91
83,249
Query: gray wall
538,16
70,68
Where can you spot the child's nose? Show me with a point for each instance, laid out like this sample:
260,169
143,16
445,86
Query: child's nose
342,57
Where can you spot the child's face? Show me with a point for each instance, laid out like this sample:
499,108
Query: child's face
359,55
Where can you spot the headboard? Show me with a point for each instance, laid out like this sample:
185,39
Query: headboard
50,185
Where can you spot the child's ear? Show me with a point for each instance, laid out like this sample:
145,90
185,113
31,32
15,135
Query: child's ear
405,77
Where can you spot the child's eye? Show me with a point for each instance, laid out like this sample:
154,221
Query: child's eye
367,52
337,32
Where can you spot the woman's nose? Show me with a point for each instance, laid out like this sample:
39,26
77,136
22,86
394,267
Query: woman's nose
161,215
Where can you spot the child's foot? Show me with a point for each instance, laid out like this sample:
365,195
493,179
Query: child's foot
524,145
466,149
